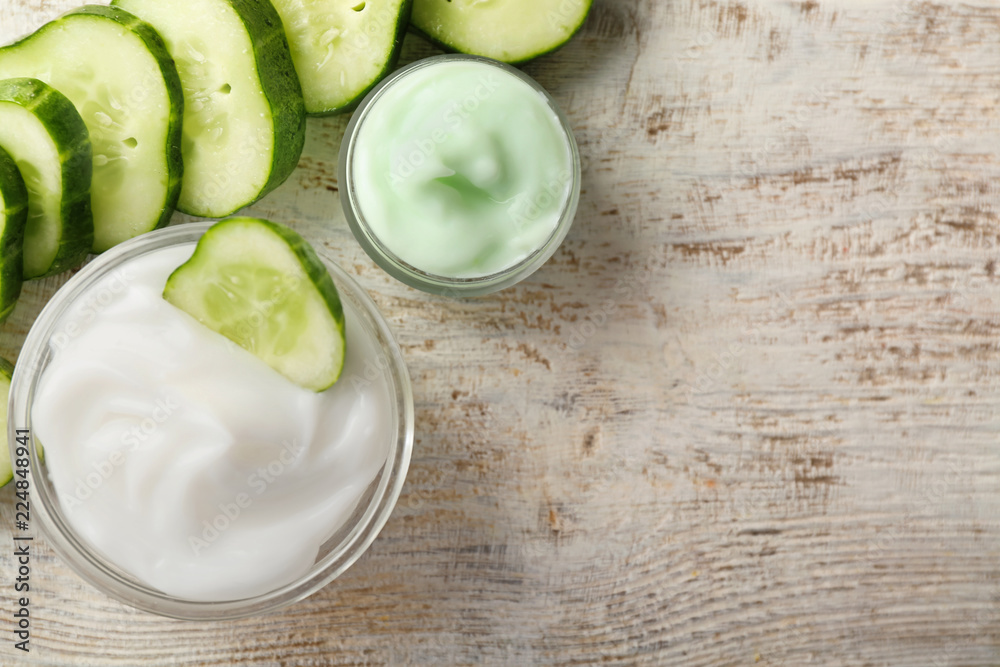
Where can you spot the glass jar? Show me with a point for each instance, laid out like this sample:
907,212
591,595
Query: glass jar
379,249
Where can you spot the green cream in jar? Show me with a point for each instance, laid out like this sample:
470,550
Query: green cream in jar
461,169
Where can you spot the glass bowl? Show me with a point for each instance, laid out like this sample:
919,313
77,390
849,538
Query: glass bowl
411,275
339,551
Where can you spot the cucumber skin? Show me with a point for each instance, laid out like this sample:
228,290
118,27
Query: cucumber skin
154,44
402,23
70,136
15,202
172,82
315,269
7,370
448,48
284,94
319,277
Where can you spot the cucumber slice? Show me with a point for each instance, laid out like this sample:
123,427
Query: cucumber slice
48,140
116,71
13,217
244,118
342,48
262,286
499,30
6,469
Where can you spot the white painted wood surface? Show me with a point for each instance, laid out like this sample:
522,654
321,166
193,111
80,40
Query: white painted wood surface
747,413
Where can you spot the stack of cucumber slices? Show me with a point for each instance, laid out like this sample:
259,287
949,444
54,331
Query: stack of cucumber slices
113,117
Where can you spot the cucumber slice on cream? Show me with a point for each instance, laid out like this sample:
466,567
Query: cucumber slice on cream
244,118
116,71
514,31
342,48
48,140
262,286
13,217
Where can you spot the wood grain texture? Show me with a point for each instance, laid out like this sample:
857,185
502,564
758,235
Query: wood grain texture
746,414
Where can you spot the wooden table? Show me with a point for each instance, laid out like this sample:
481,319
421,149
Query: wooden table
747,413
